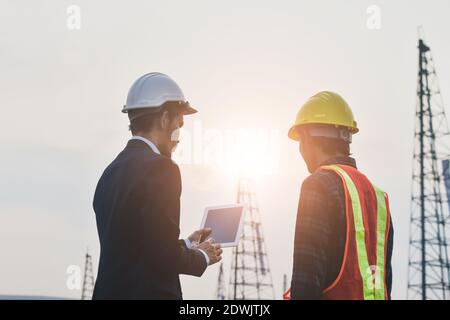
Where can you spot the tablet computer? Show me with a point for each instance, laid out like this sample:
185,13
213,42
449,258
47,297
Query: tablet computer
226,223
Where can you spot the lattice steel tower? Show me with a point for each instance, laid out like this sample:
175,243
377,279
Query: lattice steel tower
250,273
88,280
220,293
429,270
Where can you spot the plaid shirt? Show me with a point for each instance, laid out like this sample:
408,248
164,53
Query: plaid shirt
320,234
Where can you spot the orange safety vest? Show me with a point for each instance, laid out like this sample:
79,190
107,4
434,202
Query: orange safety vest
363,271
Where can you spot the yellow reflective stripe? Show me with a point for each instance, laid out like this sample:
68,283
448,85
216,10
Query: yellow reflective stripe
363,262
381,234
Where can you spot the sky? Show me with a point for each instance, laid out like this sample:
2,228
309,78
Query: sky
245,65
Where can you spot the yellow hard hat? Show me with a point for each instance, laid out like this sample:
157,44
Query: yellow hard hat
327,108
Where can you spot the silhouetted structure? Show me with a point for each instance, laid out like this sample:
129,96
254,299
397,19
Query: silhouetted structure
428,272
250,273
88,280
220,293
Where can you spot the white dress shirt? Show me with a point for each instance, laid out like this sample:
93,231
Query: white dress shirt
148,142
156,150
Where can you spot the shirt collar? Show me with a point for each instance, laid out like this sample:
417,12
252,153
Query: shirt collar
148,142
349,161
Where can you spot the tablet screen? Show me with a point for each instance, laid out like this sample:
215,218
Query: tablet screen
225,224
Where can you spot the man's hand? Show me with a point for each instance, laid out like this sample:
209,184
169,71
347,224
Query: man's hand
199,236
212,249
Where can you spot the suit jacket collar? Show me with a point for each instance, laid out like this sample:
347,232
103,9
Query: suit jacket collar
149,143
137,144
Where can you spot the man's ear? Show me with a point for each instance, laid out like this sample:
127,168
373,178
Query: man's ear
165,119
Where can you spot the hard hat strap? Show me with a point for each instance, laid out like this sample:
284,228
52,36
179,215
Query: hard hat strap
329,132
137,113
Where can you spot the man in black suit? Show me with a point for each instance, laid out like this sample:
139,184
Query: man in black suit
137,203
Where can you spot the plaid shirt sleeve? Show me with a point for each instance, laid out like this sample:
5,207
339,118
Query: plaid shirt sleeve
312,237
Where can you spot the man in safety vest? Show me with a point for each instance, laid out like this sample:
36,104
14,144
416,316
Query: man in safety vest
343,235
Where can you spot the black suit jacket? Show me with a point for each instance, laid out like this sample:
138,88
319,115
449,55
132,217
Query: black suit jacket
137,207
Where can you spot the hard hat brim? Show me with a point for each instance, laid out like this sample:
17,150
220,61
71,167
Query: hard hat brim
185,109
294,134
189,110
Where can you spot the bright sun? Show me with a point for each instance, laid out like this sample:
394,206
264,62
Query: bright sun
251,154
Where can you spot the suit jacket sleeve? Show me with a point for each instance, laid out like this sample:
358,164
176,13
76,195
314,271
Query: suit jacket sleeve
160,215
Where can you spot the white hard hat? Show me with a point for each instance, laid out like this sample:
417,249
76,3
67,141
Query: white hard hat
152,90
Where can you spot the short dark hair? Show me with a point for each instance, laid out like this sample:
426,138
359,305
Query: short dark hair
332,146
144,121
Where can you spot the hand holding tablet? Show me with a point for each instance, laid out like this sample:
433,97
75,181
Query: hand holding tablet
226,223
